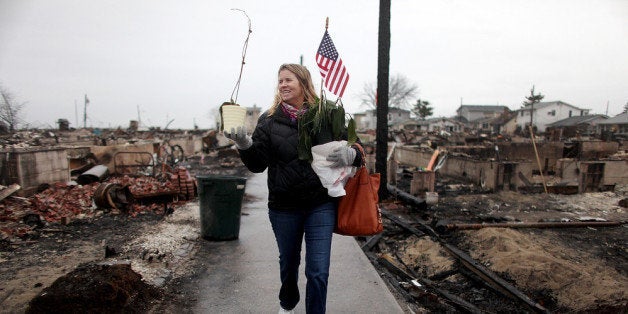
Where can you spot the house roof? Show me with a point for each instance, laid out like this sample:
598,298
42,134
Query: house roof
413,122
541,105
391,110
483,120
501,119
442,119
483,108
576,120
621,118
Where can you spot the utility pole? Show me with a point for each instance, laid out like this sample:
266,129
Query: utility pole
383,65
531,100
75,113
531,108
85,112
139,121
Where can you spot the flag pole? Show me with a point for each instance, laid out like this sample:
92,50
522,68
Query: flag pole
322,80
326,27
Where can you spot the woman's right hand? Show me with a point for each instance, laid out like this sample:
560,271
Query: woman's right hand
239,136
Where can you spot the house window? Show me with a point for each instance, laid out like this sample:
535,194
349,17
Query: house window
551,113
522,113
569,113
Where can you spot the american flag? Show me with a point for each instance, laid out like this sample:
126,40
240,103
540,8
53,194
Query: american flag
332,69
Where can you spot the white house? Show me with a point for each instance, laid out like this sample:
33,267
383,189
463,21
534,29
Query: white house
576,125
472,113
445,124
616,124
544,113
368,119
362,122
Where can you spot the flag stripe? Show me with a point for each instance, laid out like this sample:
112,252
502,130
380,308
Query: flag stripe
334,74
338,69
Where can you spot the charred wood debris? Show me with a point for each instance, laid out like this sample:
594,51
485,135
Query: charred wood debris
93,191
470,287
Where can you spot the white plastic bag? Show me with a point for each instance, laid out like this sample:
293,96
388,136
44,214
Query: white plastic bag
334,179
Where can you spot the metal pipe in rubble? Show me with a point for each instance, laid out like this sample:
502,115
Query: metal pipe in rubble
95,174
444,226
408,198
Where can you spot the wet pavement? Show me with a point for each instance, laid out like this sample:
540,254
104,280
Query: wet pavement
243,274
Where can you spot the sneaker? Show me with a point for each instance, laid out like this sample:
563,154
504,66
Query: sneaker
284,311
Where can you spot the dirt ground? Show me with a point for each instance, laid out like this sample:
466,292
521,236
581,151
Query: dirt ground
566,269
569,270
160,248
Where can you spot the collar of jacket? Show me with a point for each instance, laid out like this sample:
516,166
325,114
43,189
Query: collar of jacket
281,117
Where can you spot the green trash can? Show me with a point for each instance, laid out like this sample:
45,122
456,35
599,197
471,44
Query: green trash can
220,206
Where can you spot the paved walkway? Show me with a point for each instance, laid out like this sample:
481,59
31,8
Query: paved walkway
243,275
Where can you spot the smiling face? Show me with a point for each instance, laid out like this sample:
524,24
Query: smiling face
290,89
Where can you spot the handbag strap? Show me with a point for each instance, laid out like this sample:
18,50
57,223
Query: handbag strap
359,147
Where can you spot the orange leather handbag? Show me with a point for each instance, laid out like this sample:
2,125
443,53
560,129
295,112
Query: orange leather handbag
358,210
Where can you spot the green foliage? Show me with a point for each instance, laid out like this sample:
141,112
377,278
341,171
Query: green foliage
352,136
422,109
322,123
533,98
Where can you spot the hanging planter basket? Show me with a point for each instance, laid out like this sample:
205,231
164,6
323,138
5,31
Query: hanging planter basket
232,115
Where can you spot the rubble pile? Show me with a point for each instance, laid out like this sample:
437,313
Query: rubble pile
96,288
63,202
143,185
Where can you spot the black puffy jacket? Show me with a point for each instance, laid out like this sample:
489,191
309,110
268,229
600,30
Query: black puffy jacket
292,184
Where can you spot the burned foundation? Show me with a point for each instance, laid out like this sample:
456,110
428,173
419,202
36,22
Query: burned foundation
513,167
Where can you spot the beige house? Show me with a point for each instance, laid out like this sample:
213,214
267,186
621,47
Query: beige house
252,115
471,113
511,125
368,119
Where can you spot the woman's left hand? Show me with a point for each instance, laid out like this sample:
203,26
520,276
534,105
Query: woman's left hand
341,156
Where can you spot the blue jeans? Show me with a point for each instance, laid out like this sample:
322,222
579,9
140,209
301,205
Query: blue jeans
317,225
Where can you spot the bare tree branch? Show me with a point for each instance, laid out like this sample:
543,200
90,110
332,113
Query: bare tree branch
401,93
368,96
10,109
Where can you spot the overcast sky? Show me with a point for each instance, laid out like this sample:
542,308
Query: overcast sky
177,61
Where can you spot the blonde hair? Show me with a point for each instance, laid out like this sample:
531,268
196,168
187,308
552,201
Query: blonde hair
305,80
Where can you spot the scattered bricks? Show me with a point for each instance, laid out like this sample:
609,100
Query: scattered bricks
62,203
184,183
